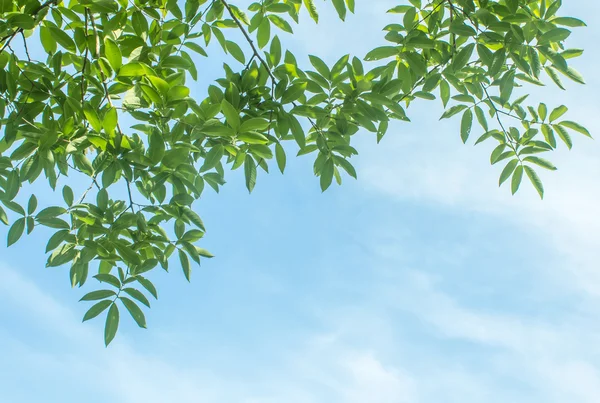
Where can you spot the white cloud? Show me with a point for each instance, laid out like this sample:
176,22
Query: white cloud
128,373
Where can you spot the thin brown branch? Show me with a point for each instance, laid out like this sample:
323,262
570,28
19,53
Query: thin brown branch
82,198
25,46
248,39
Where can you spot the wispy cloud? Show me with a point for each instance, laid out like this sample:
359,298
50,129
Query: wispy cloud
128,373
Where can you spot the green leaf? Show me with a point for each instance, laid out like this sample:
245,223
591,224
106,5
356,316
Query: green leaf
568,22
132,70
23,21
554,76
350,4
3,216
507,85
192,235
196,48
558,112
340,7
135,311
178,92
175,157
541,162
460,28
445,92
574,75
63,39
50,212
382,52
543,111
56,239
554,35
535,181
231,114
453,111
15,232
250,173
194,218
47,40
320,66
508,171
213,157
128,254
96,295
109,279
564,135
96,310
185,265
92,118
280,157
147,284
68,195
294,92
312,10
516,179
326,174
253,138
32,204
140,24
235,51
156,151
263,34
416,62
113,54
111,325
575,126
466,125
175,62
204,253
110,121
346,165
462,57
254,124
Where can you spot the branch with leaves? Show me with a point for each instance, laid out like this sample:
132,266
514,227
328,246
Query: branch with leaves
106,97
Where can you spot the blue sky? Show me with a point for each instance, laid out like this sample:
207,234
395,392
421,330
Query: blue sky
421,282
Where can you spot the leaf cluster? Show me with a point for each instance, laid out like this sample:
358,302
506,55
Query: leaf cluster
107,96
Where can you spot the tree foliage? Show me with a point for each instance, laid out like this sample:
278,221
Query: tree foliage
100,89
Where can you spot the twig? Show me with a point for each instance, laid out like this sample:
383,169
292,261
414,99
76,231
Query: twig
82,198
25,46
248,39
507,135
131,203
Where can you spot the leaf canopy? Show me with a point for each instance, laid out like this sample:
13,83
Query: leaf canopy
102,90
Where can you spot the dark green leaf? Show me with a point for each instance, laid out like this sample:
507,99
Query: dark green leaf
96,295
185,265
250,173
96,310
135,311
466,125
15,231
111,325
516,179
